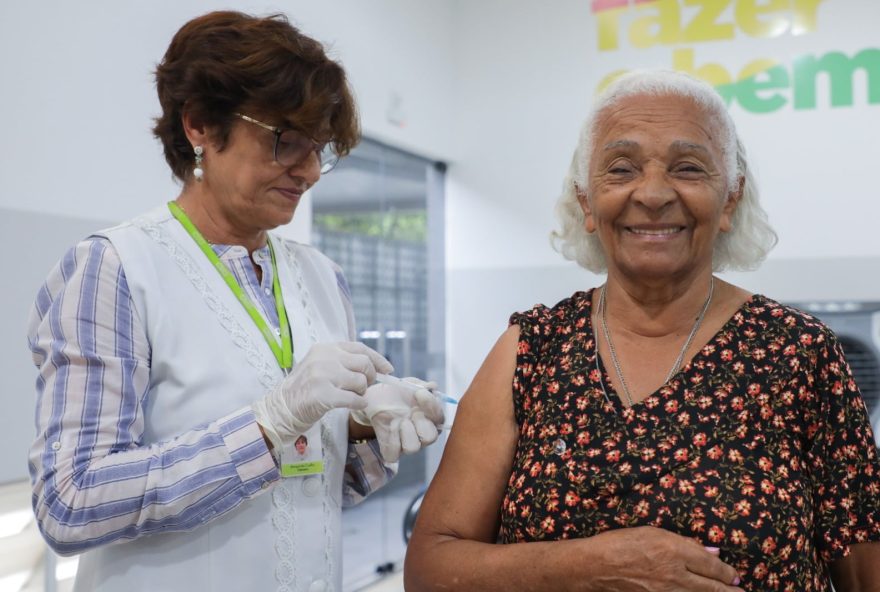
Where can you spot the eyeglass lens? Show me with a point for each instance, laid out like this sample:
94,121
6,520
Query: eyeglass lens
292,146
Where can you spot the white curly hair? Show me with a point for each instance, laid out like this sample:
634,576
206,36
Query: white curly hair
744,247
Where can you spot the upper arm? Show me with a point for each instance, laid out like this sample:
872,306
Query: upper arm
859,571
90,347
465,495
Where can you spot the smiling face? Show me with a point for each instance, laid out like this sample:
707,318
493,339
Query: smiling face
658,192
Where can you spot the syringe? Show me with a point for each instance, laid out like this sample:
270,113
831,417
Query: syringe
393,380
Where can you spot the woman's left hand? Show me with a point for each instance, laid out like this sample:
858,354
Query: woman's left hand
405,417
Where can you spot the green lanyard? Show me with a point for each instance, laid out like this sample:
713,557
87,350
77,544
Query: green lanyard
284,353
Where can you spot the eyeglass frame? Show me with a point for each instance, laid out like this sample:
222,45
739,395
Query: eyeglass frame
317,147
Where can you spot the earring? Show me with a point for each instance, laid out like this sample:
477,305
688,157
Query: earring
198,171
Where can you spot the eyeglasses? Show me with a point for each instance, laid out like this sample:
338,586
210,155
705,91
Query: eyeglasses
293,146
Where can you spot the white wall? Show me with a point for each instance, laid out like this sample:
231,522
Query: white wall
77,105
79,98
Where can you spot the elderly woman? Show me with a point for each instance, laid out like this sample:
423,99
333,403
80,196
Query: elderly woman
182,354
667,430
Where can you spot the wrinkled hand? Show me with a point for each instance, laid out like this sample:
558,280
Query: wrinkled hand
646,558
405,419
330,376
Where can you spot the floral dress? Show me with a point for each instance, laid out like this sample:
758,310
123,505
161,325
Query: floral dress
760,445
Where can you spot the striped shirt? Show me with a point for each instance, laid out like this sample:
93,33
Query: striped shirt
94,481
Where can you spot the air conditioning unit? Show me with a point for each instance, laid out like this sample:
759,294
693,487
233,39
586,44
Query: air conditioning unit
857,326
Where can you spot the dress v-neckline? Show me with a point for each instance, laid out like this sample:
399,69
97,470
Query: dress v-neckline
619,409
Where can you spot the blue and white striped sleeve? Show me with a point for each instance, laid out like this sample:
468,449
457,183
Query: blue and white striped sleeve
365,472
94,481
345,295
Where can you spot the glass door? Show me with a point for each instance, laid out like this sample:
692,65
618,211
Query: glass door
379,215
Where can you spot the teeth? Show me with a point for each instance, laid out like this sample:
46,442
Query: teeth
654,232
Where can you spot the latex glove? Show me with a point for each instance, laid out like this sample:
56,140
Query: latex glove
405,417
330,376
428,416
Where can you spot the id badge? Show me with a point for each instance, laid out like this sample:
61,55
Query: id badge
304,456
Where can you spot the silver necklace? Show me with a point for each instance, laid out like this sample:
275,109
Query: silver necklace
675,367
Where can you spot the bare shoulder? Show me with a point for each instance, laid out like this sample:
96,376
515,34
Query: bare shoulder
493,382
729,298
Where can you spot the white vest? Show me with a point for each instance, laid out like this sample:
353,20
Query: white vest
208,359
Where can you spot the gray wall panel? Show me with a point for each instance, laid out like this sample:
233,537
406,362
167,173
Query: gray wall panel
31,243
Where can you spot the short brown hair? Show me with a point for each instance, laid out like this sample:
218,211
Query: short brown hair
225,62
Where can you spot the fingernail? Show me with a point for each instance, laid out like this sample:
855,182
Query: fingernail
713,549
736,581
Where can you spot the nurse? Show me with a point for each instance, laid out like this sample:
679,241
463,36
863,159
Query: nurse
182,354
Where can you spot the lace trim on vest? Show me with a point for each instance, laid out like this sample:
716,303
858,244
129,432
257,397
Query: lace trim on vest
283,519
327,436
268,373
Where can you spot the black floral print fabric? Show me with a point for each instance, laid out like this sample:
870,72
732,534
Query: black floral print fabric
760,445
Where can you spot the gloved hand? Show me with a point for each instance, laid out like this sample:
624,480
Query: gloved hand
405,417
331,375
